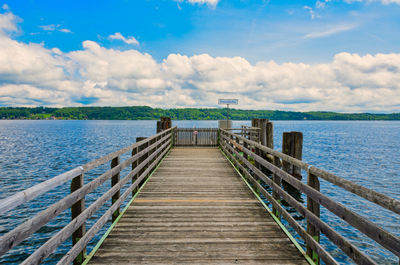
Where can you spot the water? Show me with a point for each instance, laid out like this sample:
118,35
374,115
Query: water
366,152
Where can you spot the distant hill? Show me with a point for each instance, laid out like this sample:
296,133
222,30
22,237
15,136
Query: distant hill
148,113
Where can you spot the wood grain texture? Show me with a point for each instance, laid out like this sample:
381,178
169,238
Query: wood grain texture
196,209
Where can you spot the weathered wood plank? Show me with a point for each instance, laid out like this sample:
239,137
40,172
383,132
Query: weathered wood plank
185,214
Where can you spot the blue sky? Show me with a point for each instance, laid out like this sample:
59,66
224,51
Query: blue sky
255,30
278,36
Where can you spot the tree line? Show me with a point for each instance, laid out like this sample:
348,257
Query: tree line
148,113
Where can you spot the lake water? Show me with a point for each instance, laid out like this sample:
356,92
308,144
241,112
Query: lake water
366,152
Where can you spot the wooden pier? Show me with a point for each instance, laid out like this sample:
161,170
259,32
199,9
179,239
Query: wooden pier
196,209
198,196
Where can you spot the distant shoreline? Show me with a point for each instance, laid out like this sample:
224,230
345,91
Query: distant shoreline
148,113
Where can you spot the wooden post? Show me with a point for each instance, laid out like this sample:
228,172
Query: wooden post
257,151
76,209
173,137
246,145
314,207
263,128
159,126
270,135
114,181
134,165
163,124
278,181
166,123
140,160
292,145
286,137
297,152
255,122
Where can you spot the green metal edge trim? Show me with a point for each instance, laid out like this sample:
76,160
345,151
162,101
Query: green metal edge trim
294,241
94,250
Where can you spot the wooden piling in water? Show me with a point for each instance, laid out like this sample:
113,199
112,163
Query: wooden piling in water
292,145
163,124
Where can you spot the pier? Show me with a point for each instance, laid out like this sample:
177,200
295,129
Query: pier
198,196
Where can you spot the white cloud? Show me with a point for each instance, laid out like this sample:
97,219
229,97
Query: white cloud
5,7
50,27
322,3
330,31
129,40
8,22
31,74
311,11
385,2
65,30
53,27
210,3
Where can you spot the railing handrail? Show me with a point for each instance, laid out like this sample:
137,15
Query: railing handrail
155,148
378,234
35,191
366,193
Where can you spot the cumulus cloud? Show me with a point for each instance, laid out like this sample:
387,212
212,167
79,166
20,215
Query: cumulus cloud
8,23
32,75
129,40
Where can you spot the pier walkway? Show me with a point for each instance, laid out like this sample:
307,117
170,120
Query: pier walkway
196,209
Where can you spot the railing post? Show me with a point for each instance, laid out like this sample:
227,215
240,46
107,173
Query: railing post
114,181
173,136
314,207
218,137
134,165
137,162
277,180
263,131
76,209
245,145
270,135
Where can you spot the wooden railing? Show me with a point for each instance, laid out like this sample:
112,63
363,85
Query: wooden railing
256,162
251,133
144,157
196,137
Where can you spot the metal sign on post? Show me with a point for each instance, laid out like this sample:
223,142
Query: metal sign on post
228,102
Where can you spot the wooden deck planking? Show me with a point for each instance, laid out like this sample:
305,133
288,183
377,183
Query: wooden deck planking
196,209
